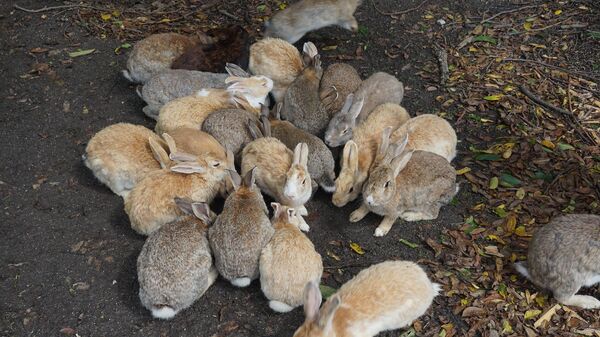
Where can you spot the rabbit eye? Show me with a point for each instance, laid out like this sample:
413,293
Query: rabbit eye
217,164
351,189
387,184
345,131
304,182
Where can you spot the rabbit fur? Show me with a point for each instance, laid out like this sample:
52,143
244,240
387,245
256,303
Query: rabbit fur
343,79
386,296
175,265
287,262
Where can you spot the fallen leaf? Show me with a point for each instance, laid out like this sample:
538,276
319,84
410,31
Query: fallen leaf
530,314
564,147
357,248
521,231
408,243
487,157
507,180
493,97
492,250
493,183
80,52
38,50
520,194
546,316
548,144
334,47
105,16
473,311
485,38
463,171
326,291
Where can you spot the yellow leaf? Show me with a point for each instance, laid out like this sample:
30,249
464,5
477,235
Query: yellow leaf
508,88
165,20
478,207
520,231
464,301
540,300
558,12
546,317
530,314
520,193
334,47
506,327
506,154
357,248
541,46
428,17
282,6
493,183
116,13
511,223
492,97
105,16
463,170
548,144
527,25
472,49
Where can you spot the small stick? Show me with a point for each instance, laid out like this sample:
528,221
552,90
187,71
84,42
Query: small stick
46,8
442,56
344,266
508,12
541,102
227,14
400,12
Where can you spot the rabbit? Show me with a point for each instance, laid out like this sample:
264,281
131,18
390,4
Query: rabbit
150,204
428,133
277,60
230,128
280,173
229,44
174,83
175,265
379,88
411,185
307,15
563,256
386,296
302,104
288,262
190,111
120,156
321,165
240,232
195,142
156,53
343,79
360,152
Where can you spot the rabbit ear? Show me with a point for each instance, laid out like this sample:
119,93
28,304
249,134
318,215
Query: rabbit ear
235,80
174,154
188,168
202,211
309,52
291,213
264,110
235,70
277,111
297,154
356,108
303,155
254,130
236,180
266,125
249,178
230,160
328,311
185,205
385,141
317,62
276,208
347,104
159,152
400,162
312,301
350,156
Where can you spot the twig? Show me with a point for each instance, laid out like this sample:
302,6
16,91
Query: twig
400,12
442,56
586,76
229,15
46,8
344,266
508,12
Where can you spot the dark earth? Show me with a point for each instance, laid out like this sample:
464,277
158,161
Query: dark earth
67,252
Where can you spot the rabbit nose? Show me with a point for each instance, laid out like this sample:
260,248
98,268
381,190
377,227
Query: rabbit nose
370,200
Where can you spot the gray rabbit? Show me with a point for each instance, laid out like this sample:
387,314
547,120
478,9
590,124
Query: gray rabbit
240,232
175,265
230,128
564,256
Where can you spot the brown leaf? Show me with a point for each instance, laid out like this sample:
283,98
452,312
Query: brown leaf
473,311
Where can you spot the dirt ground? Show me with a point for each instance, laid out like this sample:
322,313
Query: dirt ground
67,253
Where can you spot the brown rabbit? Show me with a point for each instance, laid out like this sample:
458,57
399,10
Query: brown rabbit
386,296
277,60
428,133
564,256
343,79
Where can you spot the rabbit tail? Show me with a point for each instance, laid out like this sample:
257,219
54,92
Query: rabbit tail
127,75
327,183
521,267
163,312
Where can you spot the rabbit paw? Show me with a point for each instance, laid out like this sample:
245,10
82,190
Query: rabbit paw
302,210
303,226
357,215
583,301
379,232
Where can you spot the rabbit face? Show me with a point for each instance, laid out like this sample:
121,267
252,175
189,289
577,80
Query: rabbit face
380,188
340,130
347,188
298,185
349,24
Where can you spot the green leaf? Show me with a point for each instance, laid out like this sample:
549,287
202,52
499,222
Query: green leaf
543,176
408,243
494,183
565,147
261,8
492,97
123,46
472,224
409,333
485,38
507,180
80,52
363,30
326,291
594,34
487,156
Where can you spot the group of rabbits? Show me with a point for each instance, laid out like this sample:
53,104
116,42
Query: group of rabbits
210,123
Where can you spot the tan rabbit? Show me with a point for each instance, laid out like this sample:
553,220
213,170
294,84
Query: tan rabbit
343,79
191,111
150,204
288,262
175,265
386,296
154,54
307,15
240,232
428,133
359,153
281,174
564,256
277,60
120,156
409,185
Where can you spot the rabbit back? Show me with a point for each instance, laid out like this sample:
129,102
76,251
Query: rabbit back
303,107
230,128
379,88
564,254
272,160
287,263
120,156
174,265
155,54
239,234
198,143
188,111
428,133
344,78
174,83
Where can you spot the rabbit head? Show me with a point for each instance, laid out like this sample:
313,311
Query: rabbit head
317,323
347,186
246,184
350,24
298,184
341,125
200,210
311,61
284,214
253,89
380,188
